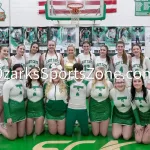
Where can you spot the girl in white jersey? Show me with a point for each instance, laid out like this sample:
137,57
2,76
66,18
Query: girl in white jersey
122,114
141,109
77,91
14,105
103,60
121,62
87,60
56,101
140,64
99,106
19,57
50,57
4,69
70,60
35,103
33,57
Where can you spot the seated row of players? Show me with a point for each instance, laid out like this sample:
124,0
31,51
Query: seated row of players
120,62
62,103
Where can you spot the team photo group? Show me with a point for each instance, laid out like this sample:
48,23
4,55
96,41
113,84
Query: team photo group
89,92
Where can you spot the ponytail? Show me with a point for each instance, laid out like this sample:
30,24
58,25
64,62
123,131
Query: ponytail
124,57
90,55
141,59
46,54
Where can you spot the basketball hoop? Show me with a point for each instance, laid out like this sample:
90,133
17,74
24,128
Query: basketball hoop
75,11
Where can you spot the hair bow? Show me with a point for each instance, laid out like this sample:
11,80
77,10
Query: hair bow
54,66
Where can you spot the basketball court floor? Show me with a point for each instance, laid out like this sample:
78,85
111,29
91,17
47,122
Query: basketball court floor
77,142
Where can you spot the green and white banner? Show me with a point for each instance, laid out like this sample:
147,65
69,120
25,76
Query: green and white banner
30,36
142,7
17,37
4,36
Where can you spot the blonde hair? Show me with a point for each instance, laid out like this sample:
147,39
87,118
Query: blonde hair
74,51
103,79
62,87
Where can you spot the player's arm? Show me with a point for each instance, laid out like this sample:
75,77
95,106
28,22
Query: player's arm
61,61
42,60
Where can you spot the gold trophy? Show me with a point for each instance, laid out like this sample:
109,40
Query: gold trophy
69,66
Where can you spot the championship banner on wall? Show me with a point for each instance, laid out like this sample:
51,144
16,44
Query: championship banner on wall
4,36
30,36
17,37
142,7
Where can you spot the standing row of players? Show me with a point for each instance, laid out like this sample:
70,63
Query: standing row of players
56,95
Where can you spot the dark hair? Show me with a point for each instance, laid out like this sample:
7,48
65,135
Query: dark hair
2,47
124,55
107,56
133,90
48,49
78,67
17,66
39,80
36,44
141,55
87,42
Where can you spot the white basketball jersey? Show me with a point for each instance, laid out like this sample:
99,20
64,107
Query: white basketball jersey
32,60
18,61
55,59
119,66
136,64
101,62
88,62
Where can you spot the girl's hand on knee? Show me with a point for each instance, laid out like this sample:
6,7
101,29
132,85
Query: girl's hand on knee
147,129
138,128
9,121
